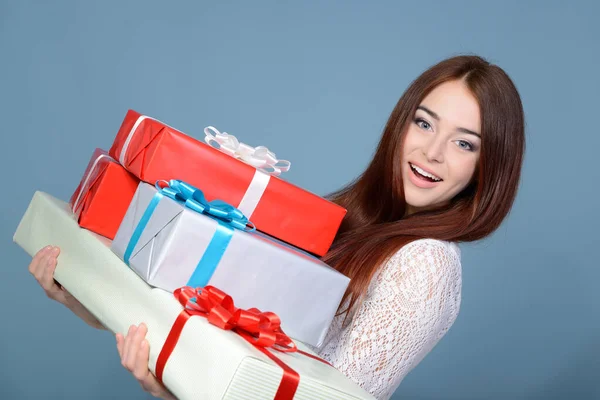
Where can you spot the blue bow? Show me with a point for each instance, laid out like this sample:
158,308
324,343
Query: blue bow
194,199
228,217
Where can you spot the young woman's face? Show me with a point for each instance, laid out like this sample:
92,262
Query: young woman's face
441,147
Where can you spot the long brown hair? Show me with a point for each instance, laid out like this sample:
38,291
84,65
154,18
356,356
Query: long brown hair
376,227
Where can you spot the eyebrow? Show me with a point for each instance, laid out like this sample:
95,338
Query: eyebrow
437,118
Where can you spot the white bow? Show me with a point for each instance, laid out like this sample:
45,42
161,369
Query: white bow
259,157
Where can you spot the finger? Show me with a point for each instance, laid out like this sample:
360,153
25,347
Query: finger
39,268
49,285
127,345
140,370
47,275
120,341
48,261
37,258
38,261
53,256
137,339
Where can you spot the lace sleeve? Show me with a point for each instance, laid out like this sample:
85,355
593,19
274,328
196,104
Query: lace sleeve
411,303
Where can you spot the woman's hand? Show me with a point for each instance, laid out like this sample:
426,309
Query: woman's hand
134,351
42,267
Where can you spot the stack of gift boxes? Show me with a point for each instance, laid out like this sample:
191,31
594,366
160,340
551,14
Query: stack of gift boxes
207,243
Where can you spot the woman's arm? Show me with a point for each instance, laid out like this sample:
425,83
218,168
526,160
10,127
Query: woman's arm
133,348
410,305
42,267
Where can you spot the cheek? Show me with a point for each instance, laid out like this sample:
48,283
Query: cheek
463,171
411,141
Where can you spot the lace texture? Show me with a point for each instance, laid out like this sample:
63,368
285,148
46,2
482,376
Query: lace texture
411,303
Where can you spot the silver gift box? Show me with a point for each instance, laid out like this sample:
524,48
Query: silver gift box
256,270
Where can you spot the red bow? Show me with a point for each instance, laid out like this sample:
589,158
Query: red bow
259,328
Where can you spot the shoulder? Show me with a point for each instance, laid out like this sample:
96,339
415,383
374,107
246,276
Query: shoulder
431,245
421,264
428,273
427,253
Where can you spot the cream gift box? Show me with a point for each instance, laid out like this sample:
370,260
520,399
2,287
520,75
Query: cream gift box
207,362
171,244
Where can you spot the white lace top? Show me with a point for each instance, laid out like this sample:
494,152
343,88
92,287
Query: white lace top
409,306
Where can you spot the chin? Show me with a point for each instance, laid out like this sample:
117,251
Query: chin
416,200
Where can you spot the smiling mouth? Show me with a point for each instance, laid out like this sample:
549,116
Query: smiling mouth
422,174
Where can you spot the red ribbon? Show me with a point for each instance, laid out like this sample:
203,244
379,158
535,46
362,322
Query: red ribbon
261,329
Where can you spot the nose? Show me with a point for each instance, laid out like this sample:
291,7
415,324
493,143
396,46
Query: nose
434,149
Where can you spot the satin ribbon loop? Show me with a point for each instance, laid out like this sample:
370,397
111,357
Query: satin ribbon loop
193,198
259,157
261,329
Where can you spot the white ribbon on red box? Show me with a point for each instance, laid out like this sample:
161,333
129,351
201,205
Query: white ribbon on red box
259,157
86,182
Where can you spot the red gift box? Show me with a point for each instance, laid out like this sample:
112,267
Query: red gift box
154,151
103,195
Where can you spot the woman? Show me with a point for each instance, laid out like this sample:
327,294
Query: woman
446,170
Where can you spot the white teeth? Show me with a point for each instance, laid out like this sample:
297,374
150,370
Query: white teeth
425,173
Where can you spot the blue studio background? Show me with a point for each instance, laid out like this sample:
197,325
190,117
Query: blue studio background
315,82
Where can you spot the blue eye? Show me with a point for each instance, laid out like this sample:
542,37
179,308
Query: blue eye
463,144
421,123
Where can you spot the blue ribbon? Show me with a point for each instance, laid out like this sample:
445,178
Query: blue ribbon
227,216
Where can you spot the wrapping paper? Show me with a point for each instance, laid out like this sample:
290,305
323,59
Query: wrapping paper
207,362
103,195
177,248
154,151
